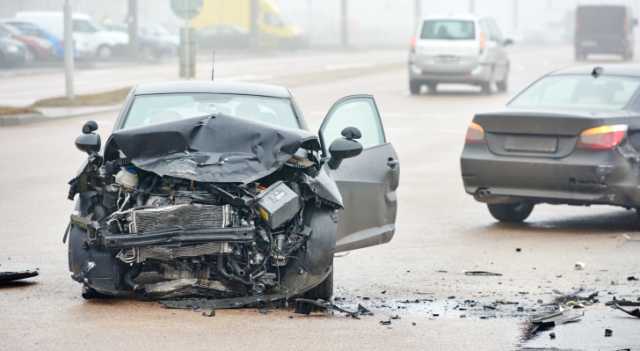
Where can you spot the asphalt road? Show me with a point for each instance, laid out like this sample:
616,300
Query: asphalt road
441,233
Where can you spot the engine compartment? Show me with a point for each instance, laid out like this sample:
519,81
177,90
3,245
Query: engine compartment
167,237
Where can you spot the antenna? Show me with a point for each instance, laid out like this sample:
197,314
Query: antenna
213,66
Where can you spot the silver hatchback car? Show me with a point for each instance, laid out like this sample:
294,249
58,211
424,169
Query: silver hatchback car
459,49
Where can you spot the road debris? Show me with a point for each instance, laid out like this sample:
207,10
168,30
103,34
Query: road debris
633,313
579,266
482,274
608,333
546,321
632,279
306,306
8,277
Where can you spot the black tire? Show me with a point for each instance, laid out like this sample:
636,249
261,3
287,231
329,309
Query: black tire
323,291
432,88
414,87
511,213
485,88
503,85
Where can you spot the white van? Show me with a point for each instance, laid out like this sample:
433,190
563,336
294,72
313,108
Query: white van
91,40
458,49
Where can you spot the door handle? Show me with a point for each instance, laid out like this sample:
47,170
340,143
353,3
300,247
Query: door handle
392,163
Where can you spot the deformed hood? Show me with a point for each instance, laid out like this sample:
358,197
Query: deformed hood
217,149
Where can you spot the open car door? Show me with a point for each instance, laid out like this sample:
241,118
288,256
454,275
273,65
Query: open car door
367,182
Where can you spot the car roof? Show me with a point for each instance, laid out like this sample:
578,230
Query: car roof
456,16
631,70
213,87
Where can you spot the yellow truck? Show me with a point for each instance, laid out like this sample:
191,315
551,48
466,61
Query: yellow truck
227,23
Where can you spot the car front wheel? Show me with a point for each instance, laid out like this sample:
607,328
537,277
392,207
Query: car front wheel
323,291
511,213
414,87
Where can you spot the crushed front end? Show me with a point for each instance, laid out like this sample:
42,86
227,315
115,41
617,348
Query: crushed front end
169,223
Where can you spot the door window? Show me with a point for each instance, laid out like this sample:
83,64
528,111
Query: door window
355,111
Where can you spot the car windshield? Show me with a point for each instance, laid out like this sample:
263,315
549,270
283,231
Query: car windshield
159,108
579,92
448,30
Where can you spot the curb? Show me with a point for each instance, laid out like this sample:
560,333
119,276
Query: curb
32,118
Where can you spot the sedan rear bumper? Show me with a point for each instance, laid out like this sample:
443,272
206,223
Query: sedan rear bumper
583,178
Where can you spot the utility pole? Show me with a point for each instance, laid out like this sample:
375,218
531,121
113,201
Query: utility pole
516,13
253,23
417,13
472,6
344,26
68,50
132,23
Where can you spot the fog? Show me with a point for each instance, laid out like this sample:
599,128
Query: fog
371,23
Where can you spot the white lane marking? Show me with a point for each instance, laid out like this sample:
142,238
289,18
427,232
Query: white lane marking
338,67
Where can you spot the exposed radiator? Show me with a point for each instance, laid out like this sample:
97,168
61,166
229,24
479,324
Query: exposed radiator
186,216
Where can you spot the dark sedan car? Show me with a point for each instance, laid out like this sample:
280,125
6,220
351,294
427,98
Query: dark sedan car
218,190
572,137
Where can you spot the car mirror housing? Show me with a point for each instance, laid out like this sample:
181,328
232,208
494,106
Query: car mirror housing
89,141
345,147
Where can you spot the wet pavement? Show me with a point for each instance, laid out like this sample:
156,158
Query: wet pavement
419,277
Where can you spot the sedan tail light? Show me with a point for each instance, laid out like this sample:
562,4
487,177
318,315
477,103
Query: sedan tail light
603,137
475,134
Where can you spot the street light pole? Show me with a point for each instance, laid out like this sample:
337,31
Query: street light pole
472,6
344,19
417,12
68,50
133,27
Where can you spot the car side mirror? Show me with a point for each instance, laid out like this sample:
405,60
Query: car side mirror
345,147
507,42
89,141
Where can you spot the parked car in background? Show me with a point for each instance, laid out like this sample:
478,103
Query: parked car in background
459,49
91,40
12,52
604,29
154,41
31,29
37,48
572,137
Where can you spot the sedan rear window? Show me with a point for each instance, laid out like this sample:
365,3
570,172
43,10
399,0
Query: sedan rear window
579,92
161,108
448,30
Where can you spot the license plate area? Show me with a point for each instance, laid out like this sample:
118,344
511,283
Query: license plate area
539,144
447,59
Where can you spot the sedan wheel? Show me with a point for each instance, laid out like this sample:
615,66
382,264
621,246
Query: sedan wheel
105,52
511,213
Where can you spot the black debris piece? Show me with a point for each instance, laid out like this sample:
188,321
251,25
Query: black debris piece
387,322
608,333
518,249
633,313
578,296
632,279
552,335
482,274
383,292
549,320
395,317
413,323
7,277
623,302
306,306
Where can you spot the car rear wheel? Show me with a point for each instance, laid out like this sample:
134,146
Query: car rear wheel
104,52
414,87
323,291
432,88
511,213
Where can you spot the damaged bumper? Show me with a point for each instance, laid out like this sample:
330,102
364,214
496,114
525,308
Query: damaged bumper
582,178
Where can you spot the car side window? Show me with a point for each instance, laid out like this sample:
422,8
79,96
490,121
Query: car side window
82,26
357,111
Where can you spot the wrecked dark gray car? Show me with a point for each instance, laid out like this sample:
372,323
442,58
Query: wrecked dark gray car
218,190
